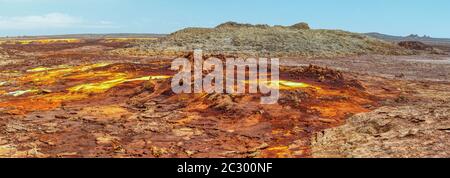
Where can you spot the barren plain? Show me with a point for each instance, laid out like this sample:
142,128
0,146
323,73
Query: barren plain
111,97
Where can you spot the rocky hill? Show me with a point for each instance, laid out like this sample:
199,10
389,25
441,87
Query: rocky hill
263,40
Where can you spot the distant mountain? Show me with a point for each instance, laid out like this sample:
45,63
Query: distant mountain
423,39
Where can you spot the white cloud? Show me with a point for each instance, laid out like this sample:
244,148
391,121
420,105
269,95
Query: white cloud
51,20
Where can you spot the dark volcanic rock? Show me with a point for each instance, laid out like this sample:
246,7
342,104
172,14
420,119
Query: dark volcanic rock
415,45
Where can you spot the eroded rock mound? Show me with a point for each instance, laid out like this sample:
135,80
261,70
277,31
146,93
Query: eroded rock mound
238,25
419,46
414,45
323,75
223,102
301,26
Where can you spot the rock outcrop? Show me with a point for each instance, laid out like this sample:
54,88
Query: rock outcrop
415,45
390,132
301,26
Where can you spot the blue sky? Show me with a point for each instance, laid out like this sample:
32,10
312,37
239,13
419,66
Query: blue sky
397,17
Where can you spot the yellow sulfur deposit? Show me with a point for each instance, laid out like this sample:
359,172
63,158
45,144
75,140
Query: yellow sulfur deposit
41,69
104,86
44,75
40,41
97,87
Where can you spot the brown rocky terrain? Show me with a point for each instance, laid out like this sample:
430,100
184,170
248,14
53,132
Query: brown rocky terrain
414,124
116,108
111,98
419,46
390,132
415,45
